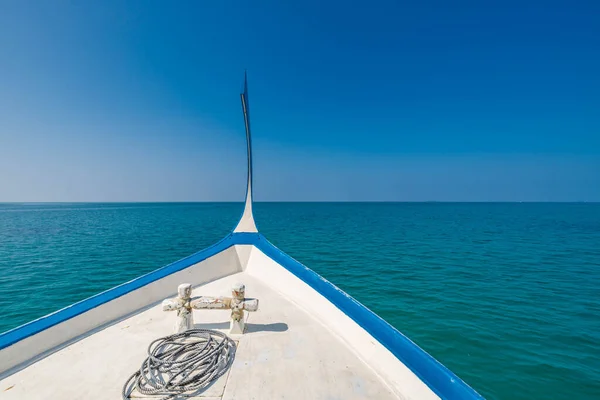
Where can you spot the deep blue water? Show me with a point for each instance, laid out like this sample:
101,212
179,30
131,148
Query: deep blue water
505,295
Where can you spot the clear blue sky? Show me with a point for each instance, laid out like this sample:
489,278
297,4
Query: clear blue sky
408,101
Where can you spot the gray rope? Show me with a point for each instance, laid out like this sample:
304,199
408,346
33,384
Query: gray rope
183,362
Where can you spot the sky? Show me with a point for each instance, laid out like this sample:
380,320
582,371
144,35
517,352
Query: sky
351,101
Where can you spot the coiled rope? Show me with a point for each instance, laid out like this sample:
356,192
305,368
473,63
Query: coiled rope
183,362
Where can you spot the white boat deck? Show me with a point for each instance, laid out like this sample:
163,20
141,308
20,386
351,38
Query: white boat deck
285,354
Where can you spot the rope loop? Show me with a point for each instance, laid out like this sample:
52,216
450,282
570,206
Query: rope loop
183,362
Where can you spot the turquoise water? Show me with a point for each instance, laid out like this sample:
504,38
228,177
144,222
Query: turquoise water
505,295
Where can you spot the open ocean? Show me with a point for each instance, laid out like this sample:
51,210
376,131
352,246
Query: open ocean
506,295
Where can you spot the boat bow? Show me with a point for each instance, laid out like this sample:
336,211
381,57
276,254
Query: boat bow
308,330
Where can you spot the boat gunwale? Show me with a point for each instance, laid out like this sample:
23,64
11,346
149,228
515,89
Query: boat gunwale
38,325
442,381
435,375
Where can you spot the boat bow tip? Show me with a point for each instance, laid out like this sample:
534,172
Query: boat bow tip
246,223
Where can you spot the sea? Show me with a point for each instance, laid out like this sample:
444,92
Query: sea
506,295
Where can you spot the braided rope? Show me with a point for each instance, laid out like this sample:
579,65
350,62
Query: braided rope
183,362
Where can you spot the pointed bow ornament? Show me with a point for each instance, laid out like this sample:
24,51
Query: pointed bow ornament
246,223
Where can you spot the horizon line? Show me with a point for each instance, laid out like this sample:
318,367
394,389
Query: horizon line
306,201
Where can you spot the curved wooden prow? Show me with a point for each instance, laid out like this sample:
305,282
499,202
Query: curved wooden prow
246,223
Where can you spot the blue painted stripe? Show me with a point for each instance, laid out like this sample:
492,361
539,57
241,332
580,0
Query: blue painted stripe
438,378
40,324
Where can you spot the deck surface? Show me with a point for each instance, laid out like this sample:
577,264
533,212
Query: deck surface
285,354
